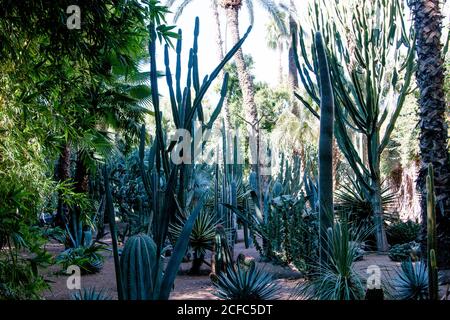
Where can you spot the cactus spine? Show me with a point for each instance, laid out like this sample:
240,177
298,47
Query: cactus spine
433,286
325,145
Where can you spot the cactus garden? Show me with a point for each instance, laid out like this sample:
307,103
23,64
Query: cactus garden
224,150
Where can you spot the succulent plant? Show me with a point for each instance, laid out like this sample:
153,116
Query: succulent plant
326,208
411,282
91,294
244,281
139,264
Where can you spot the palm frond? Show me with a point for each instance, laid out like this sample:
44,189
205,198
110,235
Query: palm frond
272,8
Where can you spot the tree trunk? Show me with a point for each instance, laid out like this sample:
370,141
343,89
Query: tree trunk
377,208
245,79
63,174
81,180
280,64
433,128
248,91
220,55
293,76
371,147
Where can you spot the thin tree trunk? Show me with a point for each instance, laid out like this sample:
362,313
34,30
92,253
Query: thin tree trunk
220,55
377,208
371,147
81,180
246,84
293,76
433,128
63,174
280,64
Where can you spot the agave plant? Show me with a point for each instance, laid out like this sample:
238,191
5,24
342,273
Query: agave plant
201,238
244,281
336,278
89,259
411,282
354,206
91,294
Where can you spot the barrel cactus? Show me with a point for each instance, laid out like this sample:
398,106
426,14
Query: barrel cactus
138,264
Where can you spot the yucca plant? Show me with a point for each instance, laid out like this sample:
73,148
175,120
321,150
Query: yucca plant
201,239
411,282
336,278
354,206
244,282
91,294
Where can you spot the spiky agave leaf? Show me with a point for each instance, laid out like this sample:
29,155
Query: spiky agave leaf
411,282
91,294
335,278
244,283
202,235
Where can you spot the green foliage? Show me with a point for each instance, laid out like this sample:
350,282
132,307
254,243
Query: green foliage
405,251
19,280
271,101
336,278
89,258
411,282
129,194
161,179
91,294
353,204
241,282
402,232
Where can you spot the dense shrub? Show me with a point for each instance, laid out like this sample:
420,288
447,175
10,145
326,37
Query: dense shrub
402,232
405,251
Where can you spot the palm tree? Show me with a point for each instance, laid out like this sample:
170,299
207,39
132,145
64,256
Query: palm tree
232,9
292,70
433,128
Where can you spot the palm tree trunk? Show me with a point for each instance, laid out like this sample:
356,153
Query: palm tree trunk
293,76
63,174
245,80
280,64
433,128
220,55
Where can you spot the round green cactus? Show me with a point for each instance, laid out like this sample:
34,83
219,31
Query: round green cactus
138,263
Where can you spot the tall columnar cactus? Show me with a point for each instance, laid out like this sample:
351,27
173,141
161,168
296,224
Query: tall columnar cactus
326,212
222,255
162,179
138,263
109,208
371,63
433,286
